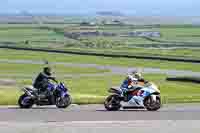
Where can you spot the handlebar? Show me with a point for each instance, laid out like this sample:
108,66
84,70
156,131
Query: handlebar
56,81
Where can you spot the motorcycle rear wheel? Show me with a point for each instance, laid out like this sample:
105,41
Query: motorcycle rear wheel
63,102
25,106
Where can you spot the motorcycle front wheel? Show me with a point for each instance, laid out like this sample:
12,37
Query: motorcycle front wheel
151,105
63,102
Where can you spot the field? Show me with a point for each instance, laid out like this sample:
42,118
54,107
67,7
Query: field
172,43
89,77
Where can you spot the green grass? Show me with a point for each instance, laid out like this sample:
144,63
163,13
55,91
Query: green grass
94,89
180,34
17,35
184,31
35,36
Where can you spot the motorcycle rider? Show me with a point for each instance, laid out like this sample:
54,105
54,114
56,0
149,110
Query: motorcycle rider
131,81
42,82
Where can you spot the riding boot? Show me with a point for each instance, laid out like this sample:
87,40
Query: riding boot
136,100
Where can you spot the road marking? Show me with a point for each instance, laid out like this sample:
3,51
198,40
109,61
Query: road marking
136,122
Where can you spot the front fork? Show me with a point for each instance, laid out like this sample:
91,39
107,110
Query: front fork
153,98
113,100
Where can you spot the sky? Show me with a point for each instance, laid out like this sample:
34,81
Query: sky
132,7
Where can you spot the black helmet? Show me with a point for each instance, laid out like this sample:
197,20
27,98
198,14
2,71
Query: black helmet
47,71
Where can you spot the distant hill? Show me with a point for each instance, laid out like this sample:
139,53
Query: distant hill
110,13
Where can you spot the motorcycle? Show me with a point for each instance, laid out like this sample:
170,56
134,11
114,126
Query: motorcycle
144,97
58,96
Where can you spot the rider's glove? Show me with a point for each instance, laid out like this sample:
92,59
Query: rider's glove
130,86
54,79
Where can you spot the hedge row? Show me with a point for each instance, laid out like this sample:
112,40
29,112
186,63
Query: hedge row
95,53
184,79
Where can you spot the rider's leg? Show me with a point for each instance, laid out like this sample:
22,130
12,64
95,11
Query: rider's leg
123,91
138,100
50,89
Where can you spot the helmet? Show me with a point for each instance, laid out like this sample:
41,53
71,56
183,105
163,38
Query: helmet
136,74
47,71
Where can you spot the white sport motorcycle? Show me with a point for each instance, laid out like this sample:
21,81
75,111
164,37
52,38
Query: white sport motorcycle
145,97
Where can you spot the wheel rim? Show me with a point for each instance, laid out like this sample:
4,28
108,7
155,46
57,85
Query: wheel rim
152,105
63,101
26,101
59,102
109,102
157,103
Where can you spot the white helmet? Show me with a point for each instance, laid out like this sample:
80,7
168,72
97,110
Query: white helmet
136,74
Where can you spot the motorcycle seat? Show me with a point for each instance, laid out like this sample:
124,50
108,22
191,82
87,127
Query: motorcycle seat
115,88
30,88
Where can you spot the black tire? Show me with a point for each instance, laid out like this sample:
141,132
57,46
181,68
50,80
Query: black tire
27,106
152,106
113,105
66,101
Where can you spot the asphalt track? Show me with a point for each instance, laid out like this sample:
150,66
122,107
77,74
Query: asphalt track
94,118
113,69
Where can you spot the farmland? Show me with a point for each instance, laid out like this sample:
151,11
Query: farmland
172,42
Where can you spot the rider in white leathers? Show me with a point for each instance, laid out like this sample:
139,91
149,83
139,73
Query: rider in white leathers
131,82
